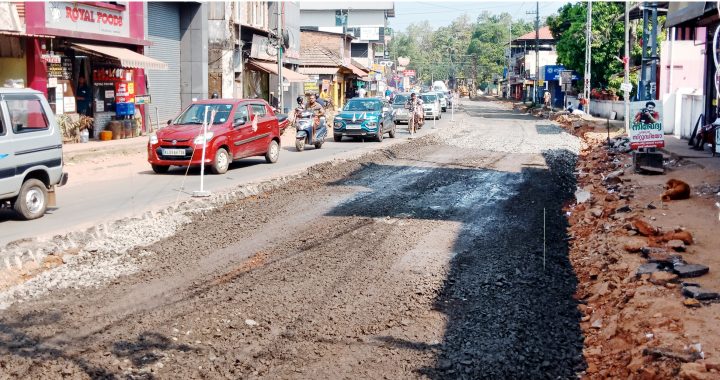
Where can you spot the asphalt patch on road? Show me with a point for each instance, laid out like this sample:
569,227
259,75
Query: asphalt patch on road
510,309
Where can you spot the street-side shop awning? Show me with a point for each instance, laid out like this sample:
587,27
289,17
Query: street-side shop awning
126,57
272,68
356,71
318,70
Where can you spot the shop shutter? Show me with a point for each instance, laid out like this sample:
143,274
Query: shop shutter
164,33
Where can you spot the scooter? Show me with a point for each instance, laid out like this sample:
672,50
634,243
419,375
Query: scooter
304,134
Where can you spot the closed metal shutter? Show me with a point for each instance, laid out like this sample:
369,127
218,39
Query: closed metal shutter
164,33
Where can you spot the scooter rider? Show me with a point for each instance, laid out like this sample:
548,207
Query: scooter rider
415,105
317,110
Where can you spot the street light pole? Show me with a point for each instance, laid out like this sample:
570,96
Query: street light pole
627,66
537,51
280,58
588,56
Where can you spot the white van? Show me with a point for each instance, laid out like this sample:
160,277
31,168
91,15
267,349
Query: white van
439,86
30,152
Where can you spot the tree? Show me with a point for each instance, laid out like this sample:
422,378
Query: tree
465,48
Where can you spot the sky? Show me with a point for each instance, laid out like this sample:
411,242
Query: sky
441,13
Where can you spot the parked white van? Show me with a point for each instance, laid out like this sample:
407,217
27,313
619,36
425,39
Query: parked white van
30,152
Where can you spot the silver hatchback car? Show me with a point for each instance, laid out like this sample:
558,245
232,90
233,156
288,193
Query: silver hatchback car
31,162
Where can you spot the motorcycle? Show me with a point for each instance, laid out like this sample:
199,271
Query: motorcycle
304,124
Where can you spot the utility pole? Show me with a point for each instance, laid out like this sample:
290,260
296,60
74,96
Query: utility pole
509,57
280,56
627,66
588,55
537,49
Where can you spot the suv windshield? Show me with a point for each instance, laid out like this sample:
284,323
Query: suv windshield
196,112
428,98
441,95
363,105
400,99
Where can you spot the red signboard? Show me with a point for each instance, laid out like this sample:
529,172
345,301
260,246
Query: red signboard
409,73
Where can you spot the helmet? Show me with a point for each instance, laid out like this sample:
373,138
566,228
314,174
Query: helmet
299,99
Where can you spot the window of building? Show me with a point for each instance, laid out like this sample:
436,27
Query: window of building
26,114
359,50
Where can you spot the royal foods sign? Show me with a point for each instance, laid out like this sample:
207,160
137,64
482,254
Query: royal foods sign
646,130
87,18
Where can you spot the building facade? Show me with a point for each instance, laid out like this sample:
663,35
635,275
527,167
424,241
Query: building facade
366,22
520,78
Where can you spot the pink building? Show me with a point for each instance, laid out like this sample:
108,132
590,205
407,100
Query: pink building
688,62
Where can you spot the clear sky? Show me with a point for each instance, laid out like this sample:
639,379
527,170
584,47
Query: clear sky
441,13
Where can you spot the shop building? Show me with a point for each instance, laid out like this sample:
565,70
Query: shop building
88,58
522,62
366,22
326,61
550,81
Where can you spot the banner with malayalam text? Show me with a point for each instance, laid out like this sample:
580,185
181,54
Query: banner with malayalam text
646,130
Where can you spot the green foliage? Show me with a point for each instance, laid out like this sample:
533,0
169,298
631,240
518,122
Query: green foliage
608,40
459,48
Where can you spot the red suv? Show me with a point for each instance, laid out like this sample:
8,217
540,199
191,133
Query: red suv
241,128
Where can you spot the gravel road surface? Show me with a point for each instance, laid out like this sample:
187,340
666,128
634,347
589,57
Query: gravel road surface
427,259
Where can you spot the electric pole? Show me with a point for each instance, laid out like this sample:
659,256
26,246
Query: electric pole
509,58
588,55
627,66
280,45
537,49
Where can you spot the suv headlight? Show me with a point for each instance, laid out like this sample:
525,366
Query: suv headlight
200,140
153,139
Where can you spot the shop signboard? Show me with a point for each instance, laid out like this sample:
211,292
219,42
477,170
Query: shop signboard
87,18
646,130
311,87
50,58
559,73
370,33
409,73
261,48
143,99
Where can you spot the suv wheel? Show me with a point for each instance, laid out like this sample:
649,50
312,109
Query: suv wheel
31,202
221,162
380,133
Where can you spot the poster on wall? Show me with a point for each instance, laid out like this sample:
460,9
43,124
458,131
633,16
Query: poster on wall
69,104
646,129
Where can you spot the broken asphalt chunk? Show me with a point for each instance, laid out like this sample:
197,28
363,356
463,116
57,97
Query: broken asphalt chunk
690,270
648,268
699,293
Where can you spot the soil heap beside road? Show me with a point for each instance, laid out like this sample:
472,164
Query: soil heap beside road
633,253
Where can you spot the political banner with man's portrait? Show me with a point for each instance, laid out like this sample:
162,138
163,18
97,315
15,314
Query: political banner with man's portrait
646,130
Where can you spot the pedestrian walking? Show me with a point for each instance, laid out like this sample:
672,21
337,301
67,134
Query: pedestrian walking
547,97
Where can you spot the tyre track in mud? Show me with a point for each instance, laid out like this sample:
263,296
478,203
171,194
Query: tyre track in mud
416,261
